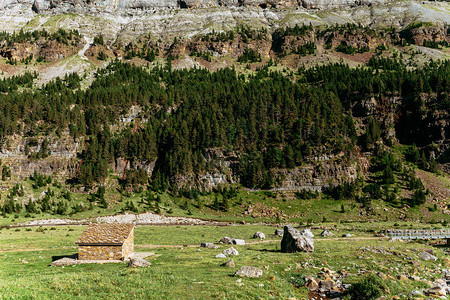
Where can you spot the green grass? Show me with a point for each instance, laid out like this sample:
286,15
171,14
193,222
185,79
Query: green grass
186,273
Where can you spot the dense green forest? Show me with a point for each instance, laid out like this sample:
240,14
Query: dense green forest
270,120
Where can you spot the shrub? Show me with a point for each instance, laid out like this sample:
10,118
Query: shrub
417,198
370,287
296,279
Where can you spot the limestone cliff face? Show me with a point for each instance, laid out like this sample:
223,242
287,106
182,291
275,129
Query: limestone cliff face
315,175
80,6
58,159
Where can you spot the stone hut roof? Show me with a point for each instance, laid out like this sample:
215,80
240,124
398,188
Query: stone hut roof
105,234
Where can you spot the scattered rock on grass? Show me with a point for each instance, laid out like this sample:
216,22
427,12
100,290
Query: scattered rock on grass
221,255
311,284
294,241
436,291
237,242
138,262
326,285
229,264
326,233
225,240
209,245
415,293
259,235
402,277
230,251
247,271
65,261
427,256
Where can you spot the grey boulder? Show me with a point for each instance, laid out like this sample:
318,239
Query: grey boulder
237,242
279,232
259,235
294,241
427,256
307,232
230,251
326,233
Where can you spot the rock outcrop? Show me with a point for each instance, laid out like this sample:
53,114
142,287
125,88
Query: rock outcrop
294,241
111,6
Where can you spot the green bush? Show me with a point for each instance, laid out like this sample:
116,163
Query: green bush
370,287
296,279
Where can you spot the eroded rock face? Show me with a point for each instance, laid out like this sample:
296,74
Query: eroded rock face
109,5
294,241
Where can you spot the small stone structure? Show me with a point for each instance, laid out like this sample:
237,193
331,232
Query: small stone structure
111,241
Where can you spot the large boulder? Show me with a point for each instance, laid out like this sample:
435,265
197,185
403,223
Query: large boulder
307,232
237,242
138,262
259,235
294,241
247,271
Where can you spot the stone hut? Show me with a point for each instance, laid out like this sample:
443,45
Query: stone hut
112,241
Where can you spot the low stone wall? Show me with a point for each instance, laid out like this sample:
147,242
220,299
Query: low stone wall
100,252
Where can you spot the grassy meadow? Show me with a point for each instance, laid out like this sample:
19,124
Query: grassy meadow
181,269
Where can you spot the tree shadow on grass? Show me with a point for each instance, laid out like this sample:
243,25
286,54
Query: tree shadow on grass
73,256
